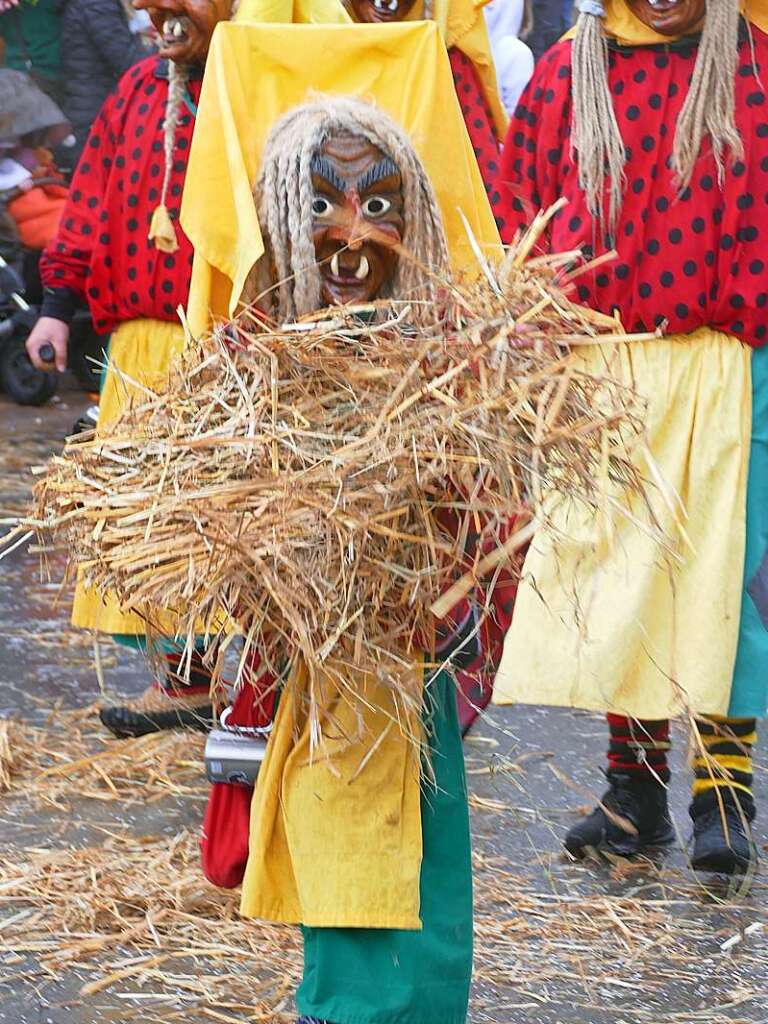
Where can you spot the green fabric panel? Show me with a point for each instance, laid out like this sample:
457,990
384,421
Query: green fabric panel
165,646
749,694
32,36
380,976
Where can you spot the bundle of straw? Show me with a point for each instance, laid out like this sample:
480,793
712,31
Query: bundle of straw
296,481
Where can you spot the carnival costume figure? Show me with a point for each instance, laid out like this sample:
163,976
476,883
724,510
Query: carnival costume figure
349,836
120,248
651,121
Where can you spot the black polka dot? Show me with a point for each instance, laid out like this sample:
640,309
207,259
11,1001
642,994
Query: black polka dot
168,308
709,258
644,290
756,267
761,300
602,280
745,201
737,327
697,224
583,292
673,89
104,238
653,246
661,60
756,99
134,298
739,169
717,214
167,287
622,272
633,112
618,88
654,101
726,242
760,331
707,182
689,268
132,224
637,186
667,278
737,301
662,204
762,131
748,234
675,236
681,310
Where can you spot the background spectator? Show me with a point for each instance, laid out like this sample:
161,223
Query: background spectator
31,33
98,46
513,59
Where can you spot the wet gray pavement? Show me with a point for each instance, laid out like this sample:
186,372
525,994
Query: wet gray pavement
556,942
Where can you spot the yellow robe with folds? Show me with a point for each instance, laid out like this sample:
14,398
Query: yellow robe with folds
607,623
364,810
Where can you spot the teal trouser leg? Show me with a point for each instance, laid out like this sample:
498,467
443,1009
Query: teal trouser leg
380,976
164,644
749,694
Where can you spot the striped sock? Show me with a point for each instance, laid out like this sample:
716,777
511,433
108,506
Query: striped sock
639,747
722,756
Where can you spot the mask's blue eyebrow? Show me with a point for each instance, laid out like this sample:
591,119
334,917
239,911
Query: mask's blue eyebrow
325,170
385,168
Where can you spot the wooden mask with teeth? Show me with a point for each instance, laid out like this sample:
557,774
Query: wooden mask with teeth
357,218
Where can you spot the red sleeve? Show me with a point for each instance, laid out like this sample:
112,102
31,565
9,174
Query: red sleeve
537,145
66,260
477,116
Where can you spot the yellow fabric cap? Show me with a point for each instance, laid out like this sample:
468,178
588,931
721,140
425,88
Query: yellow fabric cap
309,12
254,74
621,24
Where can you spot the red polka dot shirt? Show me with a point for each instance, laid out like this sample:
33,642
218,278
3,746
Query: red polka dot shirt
478,118
101,252
687,257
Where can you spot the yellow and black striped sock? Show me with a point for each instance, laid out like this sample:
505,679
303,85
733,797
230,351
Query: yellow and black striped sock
722,758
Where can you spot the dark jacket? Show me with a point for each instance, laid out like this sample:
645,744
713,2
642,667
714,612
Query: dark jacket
97,47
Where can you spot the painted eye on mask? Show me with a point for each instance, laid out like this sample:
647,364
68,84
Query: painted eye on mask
376,206
321,207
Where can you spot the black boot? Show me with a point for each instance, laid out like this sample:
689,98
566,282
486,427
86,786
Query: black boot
642,801
722,838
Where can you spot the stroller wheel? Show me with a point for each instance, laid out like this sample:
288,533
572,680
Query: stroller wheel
20,380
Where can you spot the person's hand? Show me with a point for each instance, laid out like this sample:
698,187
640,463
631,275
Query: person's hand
48,331
6,5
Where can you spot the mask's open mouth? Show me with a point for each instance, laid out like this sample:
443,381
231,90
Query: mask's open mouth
387,10
353,271
176,31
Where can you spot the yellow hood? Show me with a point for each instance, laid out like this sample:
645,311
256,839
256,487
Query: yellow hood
621,24
254,74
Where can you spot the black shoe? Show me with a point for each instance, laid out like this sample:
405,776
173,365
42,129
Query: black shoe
125,722
722,838
312,1020
643,802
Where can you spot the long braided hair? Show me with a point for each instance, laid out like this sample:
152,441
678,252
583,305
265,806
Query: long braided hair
709,107
287,277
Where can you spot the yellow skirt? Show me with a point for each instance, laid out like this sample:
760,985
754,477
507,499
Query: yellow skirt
142,350
619,627
357,795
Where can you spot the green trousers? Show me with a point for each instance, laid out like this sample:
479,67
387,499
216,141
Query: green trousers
386,976
749,693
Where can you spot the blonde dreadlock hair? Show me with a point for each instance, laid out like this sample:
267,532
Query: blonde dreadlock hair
288,275
709,107
161,230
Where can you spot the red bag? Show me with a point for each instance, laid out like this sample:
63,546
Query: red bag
227,821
